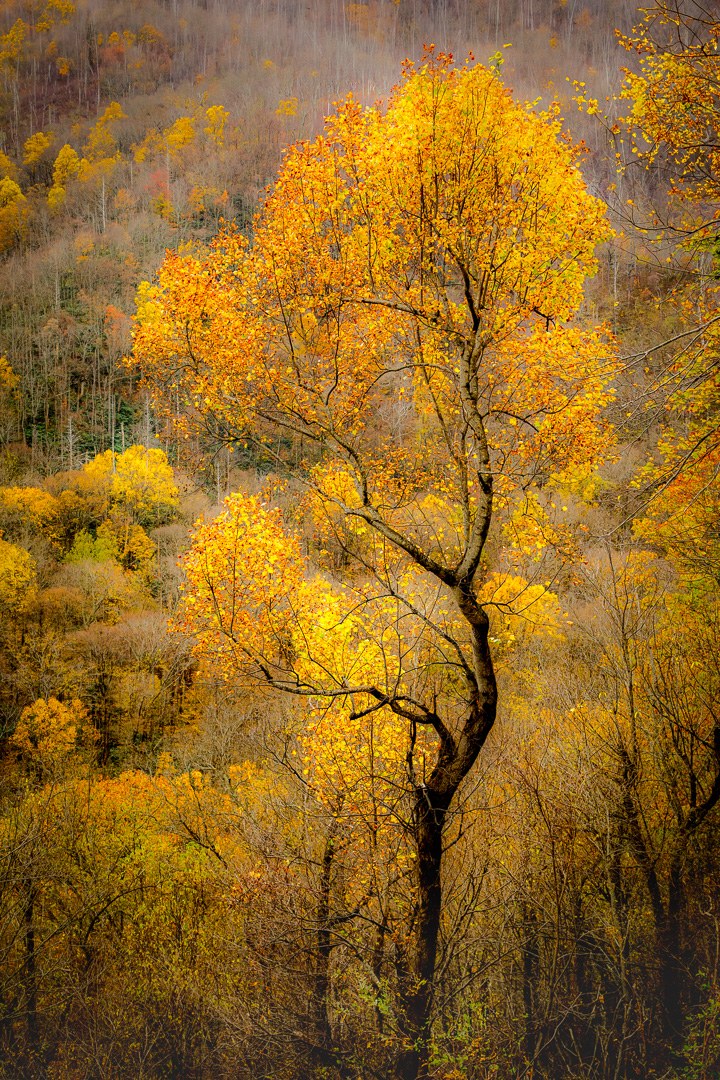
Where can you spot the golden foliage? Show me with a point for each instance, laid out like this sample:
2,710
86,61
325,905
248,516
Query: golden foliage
36,146
426,261
47,733
26,510
17,579
139,479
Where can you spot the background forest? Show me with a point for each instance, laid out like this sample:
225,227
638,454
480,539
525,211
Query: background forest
195,881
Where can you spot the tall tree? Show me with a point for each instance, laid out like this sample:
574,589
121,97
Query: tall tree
668,149
417,269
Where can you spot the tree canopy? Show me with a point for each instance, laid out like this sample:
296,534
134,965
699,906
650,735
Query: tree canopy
423,262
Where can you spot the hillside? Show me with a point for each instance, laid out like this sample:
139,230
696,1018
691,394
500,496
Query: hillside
358,540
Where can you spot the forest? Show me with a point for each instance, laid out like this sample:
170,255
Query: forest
359,544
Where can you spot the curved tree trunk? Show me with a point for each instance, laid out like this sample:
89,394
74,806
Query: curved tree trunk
417,1004
431,803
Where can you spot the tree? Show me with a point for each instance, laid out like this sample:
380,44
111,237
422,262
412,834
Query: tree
18,584
140,480
674,123
671,131
47,735
424,262
655,655
36,146
8,401
67,165
27,511
13,212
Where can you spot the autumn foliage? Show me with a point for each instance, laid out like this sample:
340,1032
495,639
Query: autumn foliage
359,629
429,258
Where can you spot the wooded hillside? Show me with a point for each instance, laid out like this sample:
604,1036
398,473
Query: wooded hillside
359,564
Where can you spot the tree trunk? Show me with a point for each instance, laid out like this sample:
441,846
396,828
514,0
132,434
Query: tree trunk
530,963
30,967
430,816
670,970
431,803
321,1034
